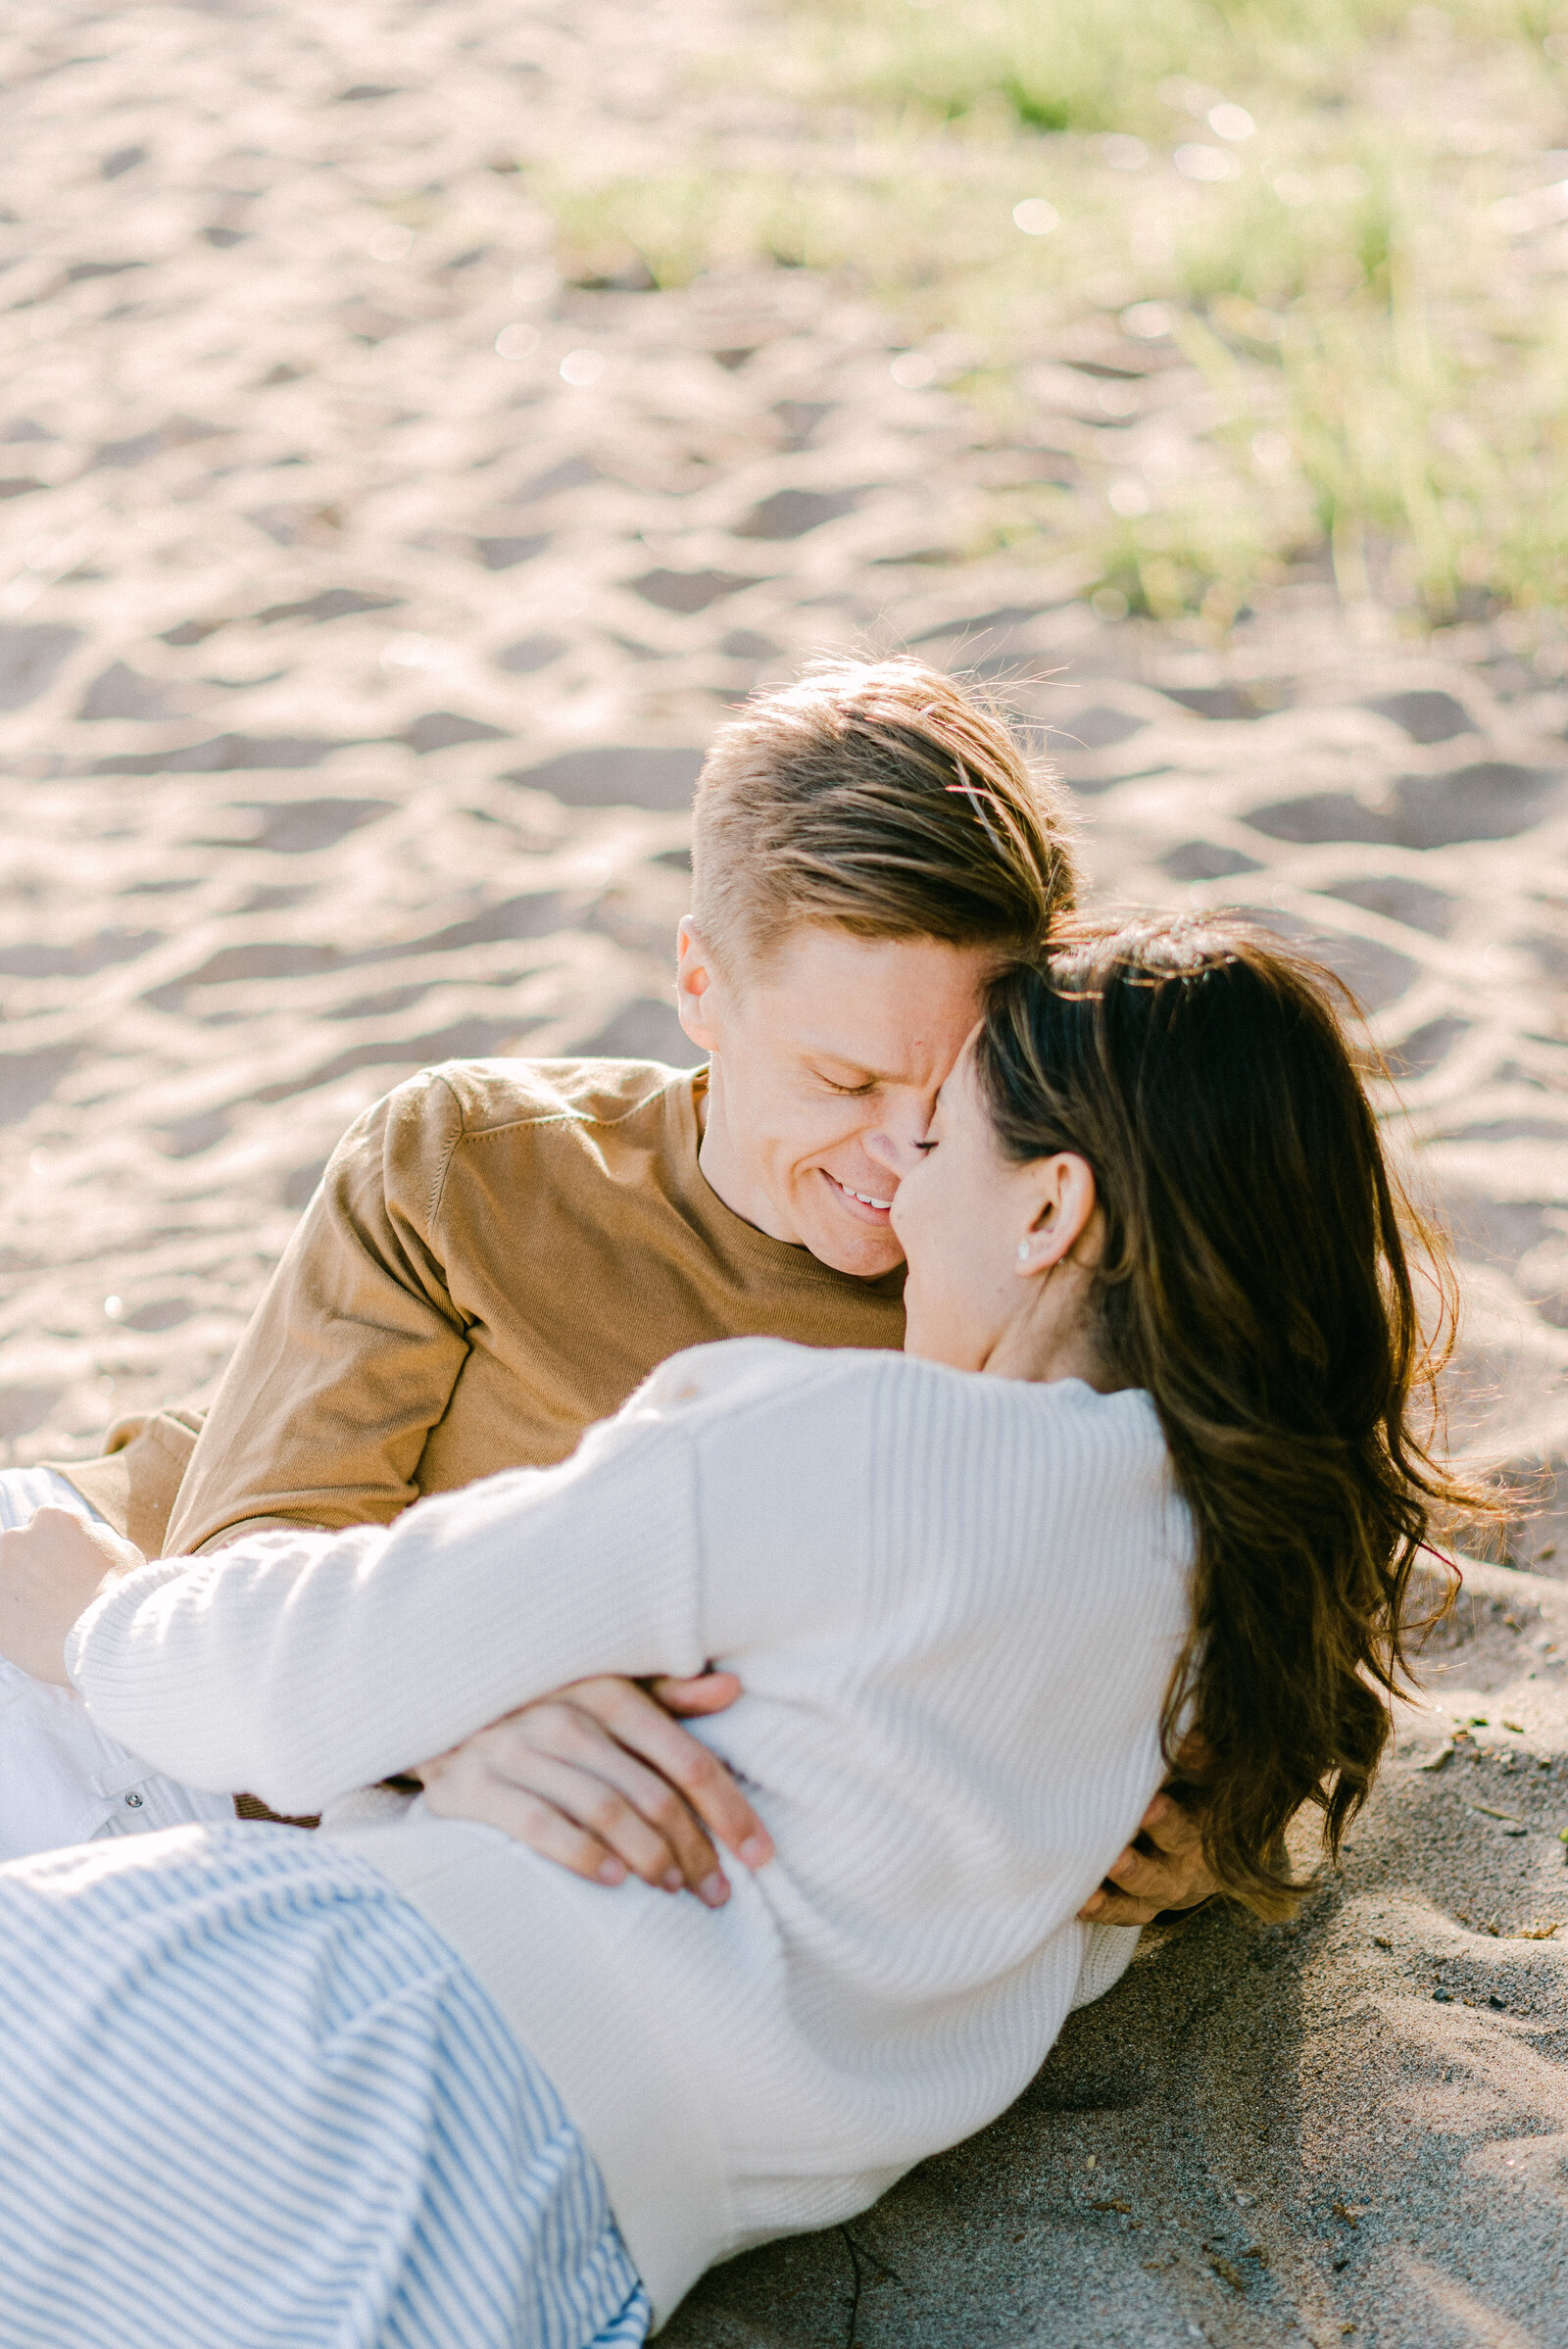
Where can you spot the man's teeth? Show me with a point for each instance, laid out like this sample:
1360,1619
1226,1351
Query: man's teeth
864,1198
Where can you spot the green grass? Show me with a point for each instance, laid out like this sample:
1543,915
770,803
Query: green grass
1382,343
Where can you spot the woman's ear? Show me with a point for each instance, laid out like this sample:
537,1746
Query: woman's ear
1063,1200
694,992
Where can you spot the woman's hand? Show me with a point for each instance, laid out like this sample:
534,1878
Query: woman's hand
600,1779
1162,1867
50,1573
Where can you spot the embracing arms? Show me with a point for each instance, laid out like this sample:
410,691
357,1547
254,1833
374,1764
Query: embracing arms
599,1778
595,1776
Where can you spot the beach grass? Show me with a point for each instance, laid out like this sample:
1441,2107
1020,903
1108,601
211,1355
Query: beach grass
1332,234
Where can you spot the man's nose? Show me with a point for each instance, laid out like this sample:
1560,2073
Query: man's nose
895,1147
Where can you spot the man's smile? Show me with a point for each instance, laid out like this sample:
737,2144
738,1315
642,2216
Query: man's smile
865,1205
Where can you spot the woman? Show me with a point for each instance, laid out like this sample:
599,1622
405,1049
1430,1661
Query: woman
1145,1472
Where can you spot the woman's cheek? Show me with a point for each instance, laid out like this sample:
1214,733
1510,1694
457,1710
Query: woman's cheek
908,1217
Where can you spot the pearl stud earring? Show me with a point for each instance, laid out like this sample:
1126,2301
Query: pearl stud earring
1023,1251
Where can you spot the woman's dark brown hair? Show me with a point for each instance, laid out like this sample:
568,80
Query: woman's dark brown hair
1255,1280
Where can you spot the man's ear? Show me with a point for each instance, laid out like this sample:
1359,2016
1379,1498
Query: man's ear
697,998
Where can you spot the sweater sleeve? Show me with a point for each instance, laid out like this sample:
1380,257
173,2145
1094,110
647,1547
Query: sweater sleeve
353,1353
1109,1951
303,1665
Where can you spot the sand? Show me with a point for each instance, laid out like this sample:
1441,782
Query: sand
354,674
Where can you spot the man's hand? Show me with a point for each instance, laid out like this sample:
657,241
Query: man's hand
50,1572
1161,1868
601,1780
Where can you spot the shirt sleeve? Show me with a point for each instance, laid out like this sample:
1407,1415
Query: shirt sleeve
354,1351
303,1665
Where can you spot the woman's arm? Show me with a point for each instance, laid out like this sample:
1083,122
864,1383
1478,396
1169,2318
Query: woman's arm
597,1776
304,1665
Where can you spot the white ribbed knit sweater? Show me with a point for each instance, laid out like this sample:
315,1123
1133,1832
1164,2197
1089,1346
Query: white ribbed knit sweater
954,1602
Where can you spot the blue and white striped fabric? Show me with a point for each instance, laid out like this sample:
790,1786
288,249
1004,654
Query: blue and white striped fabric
249,2099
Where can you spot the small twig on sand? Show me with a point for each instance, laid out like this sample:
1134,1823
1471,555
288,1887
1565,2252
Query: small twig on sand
857,2252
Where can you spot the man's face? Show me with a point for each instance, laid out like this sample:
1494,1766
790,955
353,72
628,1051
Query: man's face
826,1067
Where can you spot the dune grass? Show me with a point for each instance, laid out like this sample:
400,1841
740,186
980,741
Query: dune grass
1339,228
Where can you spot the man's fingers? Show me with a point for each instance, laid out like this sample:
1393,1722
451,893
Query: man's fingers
646,1730
606,1758
1140,1876
708,1692
563,1757
494,1802
1174,1878
633,1809
1169,1880
633,1813
1162,1869
1117,1908
1166,1824
562,1813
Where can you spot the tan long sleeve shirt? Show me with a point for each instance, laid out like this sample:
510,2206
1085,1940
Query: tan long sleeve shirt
498,1253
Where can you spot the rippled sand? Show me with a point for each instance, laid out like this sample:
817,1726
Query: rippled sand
353,680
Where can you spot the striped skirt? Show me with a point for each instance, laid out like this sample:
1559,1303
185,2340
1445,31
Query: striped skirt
249,2099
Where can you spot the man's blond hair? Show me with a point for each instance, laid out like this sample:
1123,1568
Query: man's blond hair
883,797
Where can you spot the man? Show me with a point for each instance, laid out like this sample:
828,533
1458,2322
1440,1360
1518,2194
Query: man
500,1252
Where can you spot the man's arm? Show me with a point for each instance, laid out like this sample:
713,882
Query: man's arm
353,1353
